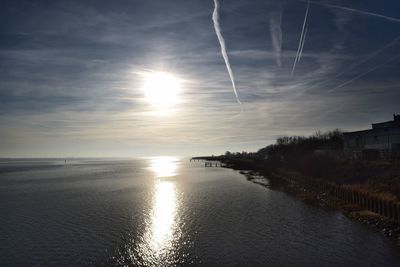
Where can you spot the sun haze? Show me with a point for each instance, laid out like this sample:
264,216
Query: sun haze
161,89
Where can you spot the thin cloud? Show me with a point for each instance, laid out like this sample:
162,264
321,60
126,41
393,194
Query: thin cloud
366,72
358,11
358,63
276,33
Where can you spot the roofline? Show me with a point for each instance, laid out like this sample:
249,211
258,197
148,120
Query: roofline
383,122
376,130
360,131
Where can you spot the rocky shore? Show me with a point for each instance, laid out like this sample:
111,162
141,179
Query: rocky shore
313,191
372,220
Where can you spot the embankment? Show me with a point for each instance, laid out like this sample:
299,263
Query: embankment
368,203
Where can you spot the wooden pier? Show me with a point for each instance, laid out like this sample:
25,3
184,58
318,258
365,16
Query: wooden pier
207,163
212,164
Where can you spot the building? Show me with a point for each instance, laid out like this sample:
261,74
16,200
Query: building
380,142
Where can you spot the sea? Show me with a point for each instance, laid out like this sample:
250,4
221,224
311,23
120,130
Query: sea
168,211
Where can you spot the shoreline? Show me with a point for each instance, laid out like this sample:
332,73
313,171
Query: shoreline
314,196
372,220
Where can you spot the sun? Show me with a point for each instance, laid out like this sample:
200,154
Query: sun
161,89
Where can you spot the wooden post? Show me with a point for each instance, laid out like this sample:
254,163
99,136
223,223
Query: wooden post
366,197
380,206
363,201
393,215
389,209
375,204
383,207
355,197
398,211
369,202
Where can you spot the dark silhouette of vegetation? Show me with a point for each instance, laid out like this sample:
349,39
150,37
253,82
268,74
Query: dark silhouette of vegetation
295,153
320,157
289,146
316,170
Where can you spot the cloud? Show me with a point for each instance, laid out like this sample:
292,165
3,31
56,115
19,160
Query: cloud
68,83
276,32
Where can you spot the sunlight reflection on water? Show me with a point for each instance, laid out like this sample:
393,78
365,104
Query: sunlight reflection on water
163,218
164,166
158,244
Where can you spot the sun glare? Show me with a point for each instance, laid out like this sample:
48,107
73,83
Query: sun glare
164,166
161,89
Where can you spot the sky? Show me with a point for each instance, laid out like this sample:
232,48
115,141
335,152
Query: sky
73,74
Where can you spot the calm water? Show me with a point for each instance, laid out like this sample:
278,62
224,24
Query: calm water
165,212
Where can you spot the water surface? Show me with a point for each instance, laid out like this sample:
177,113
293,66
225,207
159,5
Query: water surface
166,212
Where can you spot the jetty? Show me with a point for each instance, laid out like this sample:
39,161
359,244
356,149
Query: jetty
207,163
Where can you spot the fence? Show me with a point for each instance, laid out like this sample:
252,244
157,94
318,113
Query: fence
368,201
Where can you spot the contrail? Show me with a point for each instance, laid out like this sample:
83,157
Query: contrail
358,11
352,66
369,56
302,45
365,73
301,38
276,34
215,18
